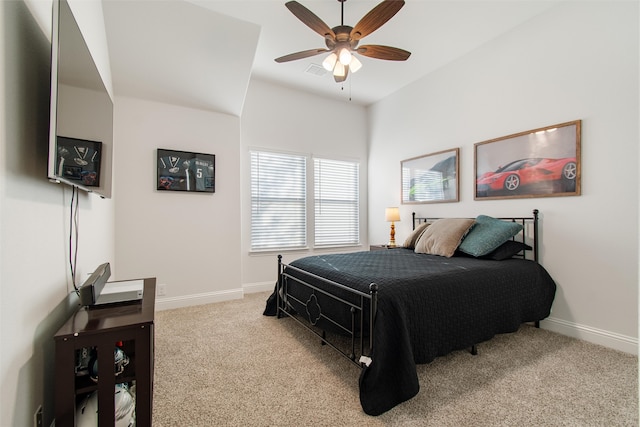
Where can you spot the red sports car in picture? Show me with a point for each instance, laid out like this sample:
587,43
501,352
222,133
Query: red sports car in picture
529,173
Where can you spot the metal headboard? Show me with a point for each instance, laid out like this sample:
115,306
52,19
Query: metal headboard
530,239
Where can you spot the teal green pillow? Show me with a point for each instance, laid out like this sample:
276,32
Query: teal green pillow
487,235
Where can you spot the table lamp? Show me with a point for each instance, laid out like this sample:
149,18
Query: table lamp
392,215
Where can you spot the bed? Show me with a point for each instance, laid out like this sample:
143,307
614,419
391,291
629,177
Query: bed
455,283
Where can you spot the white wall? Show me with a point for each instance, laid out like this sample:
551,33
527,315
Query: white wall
577,61
90,18
580,61
188,241
34,216
280,119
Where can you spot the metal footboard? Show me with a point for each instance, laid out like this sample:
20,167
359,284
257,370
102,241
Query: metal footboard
360,336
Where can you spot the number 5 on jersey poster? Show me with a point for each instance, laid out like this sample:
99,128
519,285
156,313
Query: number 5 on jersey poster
186,171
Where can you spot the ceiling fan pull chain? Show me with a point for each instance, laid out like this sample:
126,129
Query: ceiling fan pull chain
350,80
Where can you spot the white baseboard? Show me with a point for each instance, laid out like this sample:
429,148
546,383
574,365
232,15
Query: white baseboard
594,335
251,288
167,303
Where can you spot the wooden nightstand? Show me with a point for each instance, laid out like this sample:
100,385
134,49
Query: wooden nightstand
381,247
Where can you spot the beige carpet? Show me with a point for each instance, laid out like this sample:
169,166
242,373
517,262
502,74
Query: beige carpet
226,364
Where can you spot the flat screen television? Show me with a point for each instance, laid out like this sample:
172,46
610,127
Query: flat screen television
81,128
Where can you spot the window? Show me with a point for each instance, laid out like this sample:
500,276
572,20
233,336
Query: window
278,201
336,192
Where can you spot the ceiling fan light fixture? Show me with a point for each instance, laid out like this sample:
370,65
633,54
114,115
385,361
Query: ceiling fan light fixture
330,61
345,56
342,41
355,65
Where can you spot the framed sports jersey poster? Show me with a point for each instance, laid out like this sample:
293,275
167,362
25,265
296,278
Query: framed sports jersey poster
186,171
79,160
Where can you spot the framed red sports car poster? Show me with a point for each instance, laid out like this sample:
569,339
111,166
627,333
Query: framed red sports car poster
537,163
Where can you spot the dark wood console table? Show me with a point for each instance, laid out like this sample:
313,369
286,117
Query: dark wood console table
100,328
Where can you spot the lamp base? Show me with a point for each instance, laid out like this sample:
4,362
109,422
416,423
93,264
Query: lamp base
392,236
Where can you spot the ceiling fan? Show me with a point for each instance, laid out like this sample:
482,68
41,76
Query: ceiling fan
342,41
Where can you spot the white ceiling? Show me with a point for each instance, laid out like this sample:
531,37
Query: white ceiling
202,53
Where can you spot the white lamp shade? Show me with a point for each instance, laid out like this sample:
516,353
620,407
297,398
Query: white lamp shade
330,61
345,56
339,70
392,214
355,65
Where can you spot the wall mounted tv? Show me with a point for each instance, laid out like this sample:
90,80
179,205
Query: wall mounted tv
81,129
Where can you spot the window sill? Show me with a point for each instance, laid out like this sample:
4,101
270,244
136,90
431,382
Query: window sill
271,252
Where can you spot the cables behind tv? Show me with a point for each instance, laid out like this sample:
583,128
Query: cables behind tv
73,235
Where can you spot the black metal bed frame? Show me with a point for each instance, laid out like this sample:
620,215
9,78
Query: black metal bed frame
361,339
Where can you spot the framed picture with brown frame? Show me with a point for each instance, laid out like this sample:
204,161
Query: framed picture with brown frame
541,162
432,178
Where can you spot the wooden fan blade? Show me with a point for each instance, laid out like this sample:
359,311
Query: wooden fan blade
310,19
384,52
301,55
376,18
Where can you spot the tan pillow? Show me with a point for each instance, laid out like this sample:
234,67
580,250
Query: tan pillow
410,243
443,236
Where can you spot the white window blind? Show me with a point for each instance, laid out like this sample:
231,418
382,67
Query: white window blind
278,201
337,200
